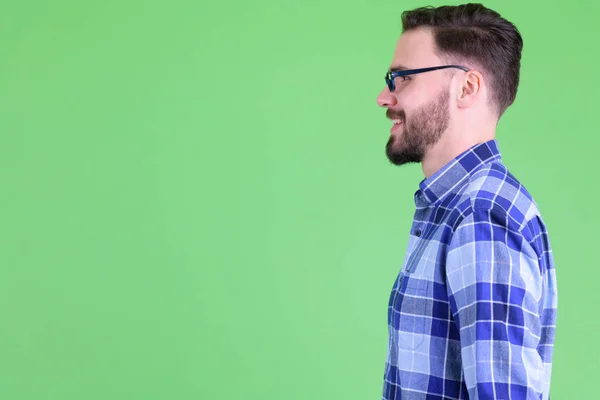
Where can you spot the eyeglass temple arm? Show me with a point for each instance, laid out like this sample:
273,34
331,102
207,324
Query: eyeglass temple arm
416,71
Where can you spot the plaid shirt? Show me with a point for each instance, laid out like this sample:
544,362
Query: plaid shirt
472,312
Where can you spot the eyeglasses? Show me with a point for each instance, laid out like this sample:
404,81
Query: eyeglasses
391,76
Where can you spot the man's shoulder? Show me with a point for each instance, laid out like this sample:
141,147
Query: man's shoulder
493,188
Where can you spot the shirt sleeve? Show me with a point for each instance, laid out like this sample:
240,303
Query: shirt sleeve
494,286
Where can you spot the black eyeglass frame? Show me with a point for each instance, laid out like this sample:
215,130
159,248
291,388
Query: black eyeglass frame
390,76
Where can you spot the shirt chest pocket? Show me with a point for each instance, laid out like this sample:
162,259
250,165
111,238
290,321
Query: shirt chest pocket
411,307
413,303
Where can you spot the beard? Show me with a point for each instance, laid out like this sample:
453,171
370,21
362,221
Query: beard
420,132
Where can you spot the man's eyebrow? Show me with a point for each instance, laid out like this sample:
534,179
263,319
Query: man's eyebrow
397,68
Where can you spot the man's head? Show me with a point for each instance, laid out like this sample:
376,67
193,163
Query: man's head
453,106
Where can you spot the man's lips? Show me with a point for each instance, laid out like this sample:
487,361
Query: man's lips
398,123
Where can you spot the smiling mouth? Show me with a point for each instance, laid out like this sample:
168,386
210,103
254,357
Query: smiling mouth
396,126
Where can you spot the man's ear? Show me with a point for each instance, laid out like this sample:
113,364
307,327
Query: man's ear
470,88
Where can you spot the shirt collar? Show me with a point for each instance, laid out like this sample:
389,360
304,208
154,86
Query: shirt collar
434,189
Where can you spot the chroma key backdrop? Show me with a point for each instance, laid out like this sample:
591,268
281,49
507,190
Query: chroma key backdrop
196,201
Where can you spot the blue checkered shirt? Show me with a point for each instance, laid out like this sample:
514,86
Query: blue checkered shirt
472,312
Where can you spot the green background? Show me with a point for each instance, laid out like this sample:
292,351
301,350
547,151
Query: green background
196,202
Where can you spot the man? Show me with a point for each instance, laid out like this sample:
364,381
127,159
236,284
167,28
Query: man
472,312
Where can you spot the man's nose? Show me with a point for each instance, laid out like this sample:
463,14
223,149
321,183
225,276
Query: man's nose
386,98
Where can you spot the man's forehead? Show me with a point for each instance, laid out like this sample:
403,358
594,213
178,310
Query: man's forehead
414,49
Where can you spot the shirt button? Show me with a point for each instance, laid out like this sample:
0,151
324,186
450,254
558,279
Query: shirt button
418,233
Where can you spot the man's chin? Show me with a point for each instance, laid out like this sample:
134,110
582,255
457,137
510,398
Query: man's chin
402,160
401,156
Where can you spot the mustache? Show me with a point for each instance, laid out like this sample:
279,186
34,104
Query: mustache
396,114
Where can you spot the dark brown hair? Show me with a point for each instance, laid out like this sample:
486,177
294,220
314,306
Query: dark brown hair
472,33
